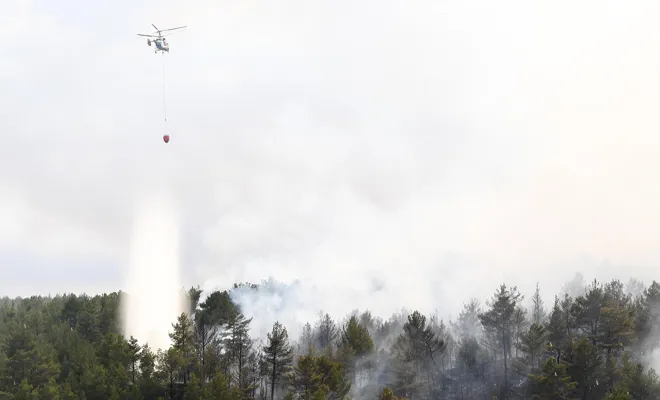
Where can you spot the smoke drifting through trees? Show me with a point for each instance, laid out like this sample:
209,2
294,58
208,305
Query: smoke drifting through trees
593,344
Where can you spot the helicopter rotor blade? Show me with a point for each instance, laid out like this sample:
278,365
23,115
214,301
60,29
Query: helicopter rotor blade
155,28
168,34
171,29
141,34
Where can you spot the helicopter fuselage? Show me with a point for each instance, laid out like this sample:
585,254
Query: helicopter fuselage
161,44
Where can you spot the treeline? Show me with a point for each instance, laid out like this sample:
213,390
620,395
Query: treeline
589,344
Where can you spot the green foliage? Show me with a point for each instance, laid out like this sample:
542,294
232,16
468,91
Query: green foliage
553,382
319,377
589,346
500,322
278,356
532,343
416,349
538,310
388,394
327,334
355,340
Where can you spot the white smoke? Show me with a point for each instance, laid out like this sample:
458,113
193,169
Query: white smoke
415,155
421,155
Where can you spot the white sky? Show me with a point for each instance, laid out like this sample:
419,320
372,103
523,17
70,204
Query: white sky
437,147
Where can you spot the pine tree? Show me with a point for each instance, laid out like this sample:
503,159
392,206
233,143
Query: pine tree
499,321
538,309
584,362
416,350
519,326
307,340
147,362
134,356
586,311
319,373
470,356
355,345
237,342
553,382
387,394
442,333
533,343
327,333
647,321
278,355
355,338
183,343
26,391
218,307
205,339
557,331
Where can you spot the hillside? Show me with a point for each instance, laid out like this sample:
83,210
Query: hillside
593,345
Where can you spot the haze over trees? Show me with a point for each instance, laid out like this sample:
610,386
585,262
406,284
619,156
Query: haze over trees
589,344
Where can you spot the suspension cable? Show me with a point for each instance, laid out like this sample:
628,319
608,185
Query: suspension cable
164,93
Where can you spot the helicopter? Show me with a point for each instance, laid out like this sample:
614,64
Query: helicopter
160,42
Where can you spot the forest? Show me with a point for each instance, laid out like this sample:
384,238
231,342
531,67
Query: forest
595,341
